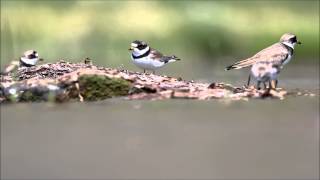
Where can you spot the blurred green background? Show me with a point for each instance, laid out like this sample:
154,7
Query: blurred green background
207,35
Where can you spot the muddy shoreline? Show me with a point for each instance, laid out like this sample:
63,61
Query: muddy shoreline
64,81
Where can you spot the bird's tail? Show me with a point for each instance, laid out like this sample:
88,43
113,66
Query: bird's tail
173,58
240,64
233,66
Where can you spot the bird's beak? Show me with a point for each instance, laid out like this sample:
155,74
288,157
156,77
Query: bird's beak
298,42
130,49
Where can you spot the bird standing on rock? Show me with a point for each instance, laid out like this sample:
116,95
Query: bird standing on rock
276,55
147,58
28,59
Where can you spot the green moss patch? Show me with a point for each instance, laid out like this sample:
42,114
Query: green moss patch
97,87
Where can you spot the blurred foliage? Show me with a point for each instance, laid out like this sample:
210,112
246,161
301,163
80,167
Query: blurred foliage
199,31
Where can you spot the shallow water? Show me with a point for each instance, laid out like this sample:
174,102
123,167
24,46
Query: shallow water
161,139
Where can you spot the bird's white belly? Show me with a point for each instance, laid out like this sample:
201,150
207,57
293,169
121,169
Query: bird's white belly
287,60
147,63
262,77
274,73
265,74
32,61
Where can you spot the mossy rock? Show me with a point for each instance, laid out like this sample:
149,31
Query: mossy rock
98,87
41,93
29,96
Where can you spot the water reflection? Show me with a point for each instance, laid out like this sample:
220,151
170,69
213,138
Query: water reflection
161,139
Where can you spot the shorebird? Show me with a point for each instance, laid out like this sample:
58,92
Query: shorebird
28,59
277,54
148,58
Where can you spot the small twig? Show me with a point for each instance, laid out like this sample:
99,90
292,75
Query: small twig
79,94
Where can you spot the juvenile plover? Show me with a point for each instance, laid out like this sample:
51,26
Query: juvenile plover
265,72
28,59
147,58
277,54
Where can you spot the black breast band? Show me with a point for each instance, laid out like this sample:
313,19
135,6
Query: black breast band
142,55
290,49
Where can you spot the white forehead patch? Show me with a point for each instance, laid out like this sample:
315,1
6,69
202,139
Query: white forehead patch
29,52
134,45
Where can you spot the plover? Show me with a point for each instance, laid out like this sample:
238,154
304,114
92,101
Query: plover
265,72
147,58
277,54
28,59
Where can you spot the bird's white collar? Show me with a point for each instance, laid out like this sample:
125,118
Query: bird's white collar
137,52
289,44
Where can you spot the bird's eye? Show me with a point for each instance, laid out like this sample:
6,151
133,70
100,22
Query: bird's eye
294,39
141,46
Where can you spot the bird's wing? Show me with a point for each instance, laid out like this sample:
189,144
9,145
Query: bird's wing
274,54
156,55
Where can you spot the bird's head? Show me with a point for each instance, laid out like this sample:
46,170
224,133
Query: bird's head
31,54
138,46
289,39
